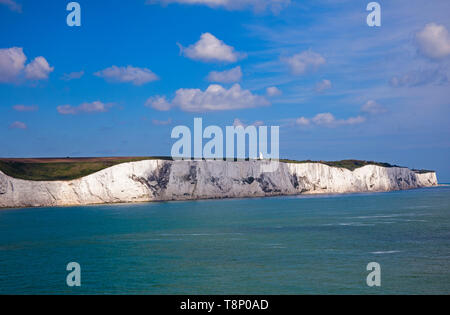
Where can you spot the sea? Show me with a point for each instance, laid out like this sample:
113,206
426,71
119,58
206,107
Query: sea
282,245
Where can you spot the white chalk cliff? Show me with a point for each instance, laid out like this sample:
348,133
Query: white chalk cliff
159,180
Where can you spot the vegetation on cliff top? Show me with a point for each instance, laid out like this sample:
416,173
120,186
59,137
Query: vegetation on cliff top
348,164
53,169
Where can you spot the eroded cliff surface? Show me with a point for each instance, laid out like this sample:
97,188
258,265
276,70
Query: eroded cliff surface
159,180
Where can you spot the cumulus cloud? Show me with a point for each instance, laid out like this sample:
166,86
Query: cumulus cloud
304,62
129,74
214,98
38,69
24,108
418,78
12,63
324,119
18,125
373,108
94,107
211,49
12,5
434,41
12,66
228,76
302,121
273,91
257,5
328,120
323,85
159,103
72,76
237,122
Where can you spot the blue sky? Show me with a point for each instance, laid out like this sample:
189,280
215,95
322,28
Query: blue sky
118,84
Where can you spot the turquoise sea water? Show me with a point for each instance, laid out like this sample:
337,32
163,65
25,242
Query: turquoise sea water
286,245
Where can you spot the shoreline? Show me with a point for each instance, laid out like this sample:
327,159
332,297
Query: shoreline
162,180
292,196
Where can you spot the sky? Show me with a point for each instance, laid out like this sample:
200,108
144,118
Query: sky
118,84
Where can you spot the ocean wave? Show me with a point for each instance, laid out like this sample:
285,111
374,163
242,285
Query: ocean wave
378,216
275,246
385,252
349,224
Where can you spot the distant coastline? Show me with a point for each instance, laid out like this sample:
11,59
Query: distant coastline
112,180
68,168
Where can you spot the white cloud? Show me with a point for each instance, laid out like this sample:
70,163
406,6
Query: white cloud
228,76
323,85
12,66
328,120
257,5
323,119
24,108
214,98
373,108
12,5
211,49
38,69
18,125
158,103
304,61
94,107
237,122
273,91
352,121
12,63
302,121
72,75
129,74
434,41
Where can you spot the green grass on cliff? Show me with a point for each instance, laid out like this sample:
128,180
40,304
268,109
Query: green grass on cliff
54,169
348,164
60,169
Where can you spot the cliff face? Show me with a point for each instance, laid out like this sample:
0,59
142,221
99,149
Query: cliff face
157,180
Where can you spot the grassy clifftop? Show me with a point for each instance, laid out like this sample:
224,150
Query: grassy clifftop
348,164
53,169
60,168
